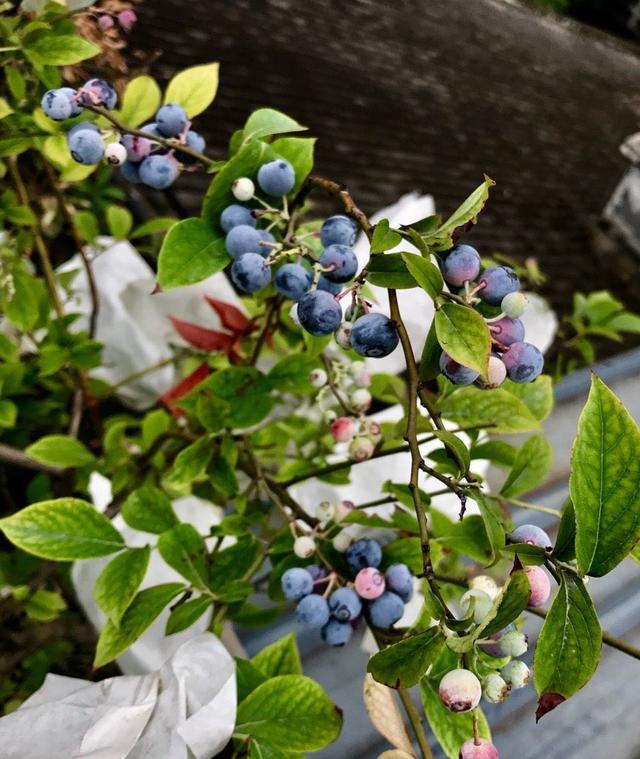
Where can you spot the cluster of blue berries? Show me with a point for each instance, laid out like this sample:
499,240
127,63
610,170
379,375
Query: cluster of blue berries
497,286
380,597
142,159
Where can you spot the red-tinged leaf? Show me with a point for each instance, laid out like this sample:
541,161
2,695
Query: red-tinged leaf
547,703
202,338
182,388
231,317
268,338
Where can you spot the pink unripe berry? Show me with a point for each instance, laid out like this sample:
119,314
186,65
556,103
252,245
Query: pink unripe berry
540,585
369,583
343,509
361,399
127,18
478,748
460,690
304,546
373,430
360,375
361,448
105,22
496,373
343,429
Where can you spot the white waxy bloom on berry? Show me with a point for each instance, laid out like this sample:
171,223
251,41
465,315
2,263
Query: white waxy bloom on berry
243,189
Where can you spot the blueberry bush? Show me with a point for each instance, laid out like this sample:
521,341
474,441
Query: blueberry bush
279,398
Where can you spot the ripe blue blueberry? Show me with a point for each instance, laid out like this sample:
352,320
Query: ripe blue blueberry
458,374
531,533
507,331
313,611
250,273
86,146
130,172
345,605
342,262
338,230
374,336
330,287
98,92
151,129
266,237
316,571
336,633
158,171
76,108
56,104
385,610
81,127
236,215
244,239
292,281
138,148
319,313
296,583
364,553
276,177
195,141
498,281
461,265
400,580
524,362
171,119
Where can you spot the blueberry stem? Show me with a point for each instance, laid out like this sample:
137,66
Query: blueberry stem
534,507
332,386
170,144
416,723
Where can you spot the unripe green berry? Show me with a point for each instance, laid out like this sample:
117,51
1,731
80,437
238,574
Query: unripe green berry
304,546
494,688
514,305
485,583
516,674
513,644
482,603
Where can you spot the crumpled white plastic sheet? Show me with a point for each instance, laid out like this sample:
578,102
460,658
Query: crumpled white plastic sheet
185,709
133,324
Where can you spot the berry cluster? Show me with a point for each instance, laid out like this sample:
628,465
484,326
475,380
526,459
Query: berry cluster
497,286
380,597
141,158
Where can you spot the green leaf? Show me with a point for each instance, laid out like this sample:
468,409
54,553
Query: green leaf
384,238
59,50
290,712
119,581
245,163
468,537
87,225
41,605
268,121
464,335
185,615
119,221
466,213
456,449
64,529
248,678
184,549
245,390
279,658
194,88
153,227
508,606
24,307
496,409
450,729
154,424
430,359
497,451
291,374
149,509
492,519
142,612
390,271
565,547
568,649
234,562
605,482
299,152
405,663
191,462
140,101
425,274
191,251
537,396
8,413
531,467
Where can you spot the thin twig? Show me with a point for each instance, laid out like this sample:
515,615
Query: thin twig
416,723
16,457
534,507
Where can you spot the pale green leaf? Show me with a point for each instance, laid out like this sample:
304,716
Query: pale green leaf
184,549
464,336
426,274
279,658
60,450
149,509
140,101
194,88
119,581
268,121
191,251
496,409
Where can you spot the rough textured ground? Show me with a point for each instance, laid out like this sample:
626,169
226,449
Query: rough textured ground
416,95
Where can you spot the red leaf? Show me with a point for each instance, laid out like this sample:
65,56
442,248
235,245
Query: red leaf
547,703
231,317
183,387
200,337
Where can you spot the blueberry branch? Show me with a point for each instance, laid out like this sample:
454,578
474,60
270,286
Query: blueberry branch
170,144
